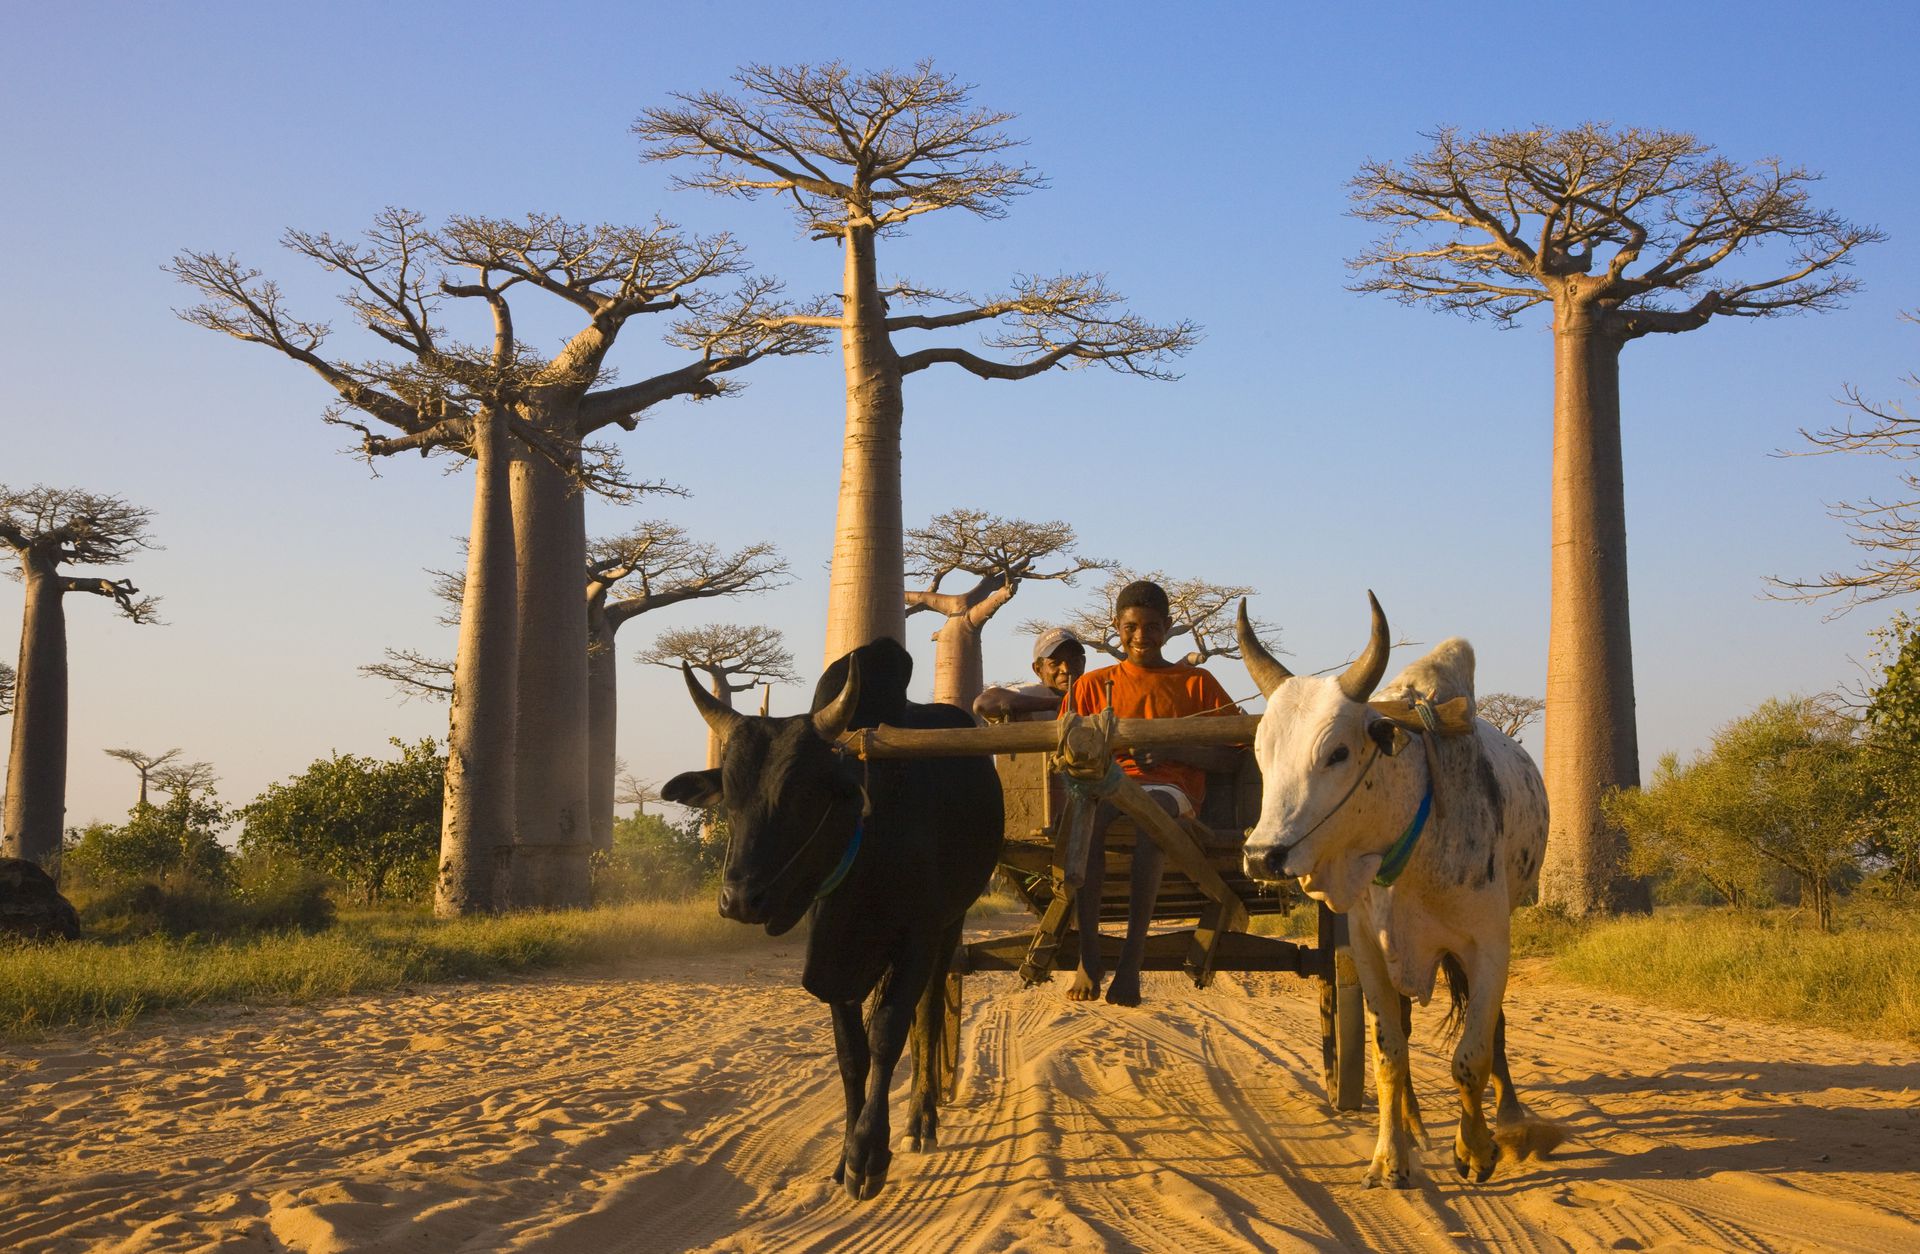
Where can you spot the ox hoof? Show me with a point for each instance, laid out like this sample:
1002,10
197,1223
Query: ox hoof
1389,1180
865,1175
1466,1170
921,1144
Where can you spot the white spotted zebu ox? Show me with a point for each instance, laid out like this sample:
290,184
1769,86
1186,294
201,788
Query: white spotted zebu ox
1427,852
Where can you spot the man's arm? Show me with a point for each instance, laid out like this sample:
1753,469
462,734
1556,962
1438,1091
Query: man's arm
997,704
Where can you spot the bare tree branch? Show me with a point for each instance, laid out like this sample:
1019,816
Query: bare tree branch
1508,711
1493,224
414,674
735,658
1001,554
866,150
1201,610
1888,531
657,564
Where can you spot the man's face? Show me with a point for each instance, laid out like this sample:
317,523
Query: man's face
1060,668
1142,631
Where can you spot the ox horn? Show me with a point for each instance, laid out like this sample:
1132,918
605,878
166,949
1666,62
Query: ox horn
833,720
1358,681
1262,665
720,716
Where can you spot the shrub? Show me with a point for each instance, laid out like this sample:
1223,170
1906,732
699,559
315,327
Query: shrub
373,825
178,838
288,900
653,859
1791,787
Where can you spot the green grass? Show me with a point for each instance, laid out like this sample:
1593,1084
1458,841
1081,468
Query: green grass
98,984
1863,980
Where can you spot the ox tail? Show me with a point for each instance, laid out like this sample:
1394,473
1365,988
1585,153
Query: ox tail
1456,997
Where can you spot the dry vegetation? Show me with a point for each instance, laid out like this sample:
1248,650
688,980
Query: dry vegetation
95,984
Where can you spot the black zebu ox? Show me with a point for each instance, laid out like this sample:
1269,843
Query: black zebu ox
889,890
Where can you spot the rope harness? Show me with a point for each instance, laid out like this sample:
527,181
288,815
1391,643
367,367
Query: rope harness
845,865
1394,860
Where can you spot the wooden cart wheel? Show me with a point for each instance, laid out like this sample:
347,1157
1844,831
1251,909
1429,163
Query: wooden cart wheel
949,1045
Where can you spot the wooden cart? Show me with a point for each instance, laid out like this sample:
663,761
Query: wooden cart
1204,886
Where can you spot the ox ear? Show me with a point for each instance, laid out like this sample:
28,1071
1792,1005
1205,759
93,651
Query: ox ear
1389,735
833,718
699,789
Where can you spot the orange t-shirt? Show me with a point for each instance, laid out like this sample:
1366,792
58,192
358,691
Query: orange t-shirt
1173,691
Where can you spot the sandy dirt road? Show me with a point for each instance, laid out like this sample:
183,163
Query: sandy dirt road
693,1105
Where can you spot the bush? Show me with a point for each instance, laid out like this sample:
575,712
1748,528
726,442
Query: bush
289,899
87,982
179,838
653,860
373,825
1791,788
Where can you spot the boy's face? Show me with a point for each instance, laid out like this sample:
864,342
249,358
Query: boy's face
1142,631
1060,668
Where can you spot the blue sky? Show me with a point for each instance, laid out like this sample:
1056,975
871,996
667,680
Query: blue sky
1320,442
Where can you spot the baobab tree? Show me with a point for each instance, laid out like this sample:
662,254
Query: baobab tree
734,659
1888,530
1623,232
50,529
634,791
517,741
1202,611
185,779
145,764
859,155
1000,554
1510,712
651,567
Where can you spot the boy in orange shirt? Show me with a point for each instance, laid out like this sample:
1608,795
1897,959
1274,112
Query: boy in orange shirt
1143,685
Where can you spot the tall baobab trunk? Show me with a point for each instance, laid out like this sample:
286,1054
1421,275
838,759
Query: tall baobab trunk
553,833
36,805
476,827
603,720
957,670
865,598
1591,744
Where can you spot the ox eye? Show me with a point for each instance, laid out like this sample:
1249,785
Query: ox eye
1337,756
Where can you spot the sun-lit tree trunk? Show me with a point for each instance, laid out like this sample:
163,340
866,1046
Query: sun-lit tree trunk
36,804
1591,740
1617,229
958,675
46,528
866,590
858,154
477,819
552,836
603,723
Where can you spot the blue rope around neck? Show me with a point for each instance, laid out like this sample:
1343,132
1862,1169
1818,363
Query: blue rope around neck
846,862
1396,858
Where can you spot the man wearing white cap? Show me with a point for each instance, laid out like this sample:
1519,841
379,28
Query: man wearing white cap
1058,660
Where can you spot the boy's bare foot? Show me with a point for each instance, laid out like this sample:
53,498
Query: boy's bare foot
1084,987
1125,989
